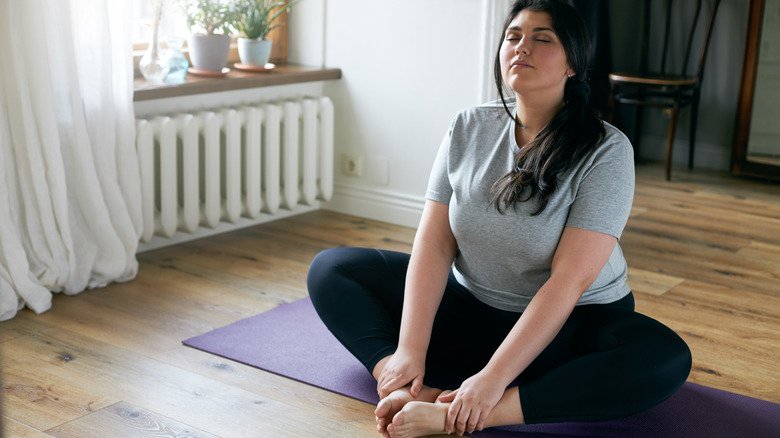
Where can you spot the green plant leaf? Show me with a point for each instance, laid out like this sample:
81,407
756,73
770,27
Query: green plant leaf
254,19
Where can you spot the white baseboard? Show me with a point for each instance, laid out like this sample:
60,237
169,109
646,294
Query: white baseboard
706,156
377,204
222,227
406,210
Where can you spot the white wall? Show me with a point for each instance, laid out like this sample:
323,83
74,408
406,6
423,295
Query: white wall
408,66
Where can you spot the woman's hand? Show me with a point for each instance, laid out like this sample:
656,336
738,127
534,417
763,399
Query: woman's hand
402,367
472,403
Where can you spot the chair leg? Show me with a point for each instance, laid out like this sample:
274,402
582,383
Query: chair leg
670,141
692,134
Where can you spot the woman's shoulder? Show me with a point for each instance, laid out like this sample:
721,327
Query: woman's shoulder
614,134
615,144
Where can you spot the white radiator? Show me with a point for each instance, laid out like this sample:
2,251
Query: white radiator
200,169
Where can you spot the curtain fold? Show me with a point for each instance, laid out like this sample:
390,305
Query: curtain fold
493,15
70,215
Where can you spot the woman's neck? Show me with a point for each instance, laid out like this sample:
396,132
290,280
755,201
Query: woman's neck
533,115
534,111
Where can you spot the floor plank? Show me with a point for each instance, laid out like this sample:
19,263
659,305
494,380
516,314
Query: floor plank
37,394
15,429
126,421
651,282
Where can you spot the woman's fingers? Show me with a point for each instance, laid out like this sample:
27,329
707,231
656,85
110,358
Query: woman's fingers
384,391
461,421
481,422
452,415
380,383
417,384
386,378
473,420
461,417
400,371
391,385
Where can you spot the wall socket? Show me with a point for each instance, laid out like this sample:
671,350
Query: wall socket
351,164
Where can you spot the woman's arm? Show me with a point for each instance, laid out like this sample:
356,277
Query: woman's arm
579,258
433,251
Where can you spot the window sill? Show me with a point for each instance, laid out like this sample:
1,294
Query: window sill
235,80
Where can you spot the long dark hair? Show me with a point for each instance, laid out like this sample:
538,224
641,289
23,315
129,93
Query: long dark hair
574,130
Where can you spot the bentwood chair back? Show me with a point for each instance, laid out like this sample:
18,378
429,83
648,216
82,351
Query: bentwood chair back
670,84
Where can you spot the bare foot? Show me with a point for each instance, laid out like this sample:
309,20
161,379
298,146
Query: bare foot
389,406
396,400
418,419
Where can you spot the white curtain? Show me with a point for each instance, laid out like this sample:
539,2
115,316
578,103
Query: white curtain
70,212
493,15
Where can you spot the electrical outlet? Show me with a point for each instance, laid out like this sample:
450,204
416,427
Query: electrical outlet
351,164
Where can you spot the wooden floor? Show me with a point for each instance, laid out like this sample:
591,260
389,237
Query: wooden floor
704,252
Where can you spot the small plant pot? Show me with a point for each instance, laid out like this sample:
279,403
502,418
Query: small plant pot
209,52
254,52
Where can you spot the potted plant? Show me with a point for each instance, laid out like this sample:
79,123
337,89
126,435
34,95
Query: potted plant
253,20
209,41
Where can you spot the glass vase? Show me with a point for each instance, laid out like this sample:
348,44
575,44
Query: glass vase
177,62
152,67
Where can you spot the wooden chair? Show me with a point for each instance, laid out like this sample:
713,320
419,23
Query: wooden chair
662,87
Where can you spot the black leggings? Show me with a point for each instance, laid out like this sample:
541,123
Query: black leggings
607,361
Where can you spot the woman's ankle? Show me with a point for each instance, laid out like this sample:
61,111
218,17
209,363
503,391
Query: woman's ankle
428,394
508,411
377,371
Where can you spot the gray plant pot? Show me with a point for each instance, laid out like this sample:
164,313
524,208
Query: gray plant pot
209,52
254,52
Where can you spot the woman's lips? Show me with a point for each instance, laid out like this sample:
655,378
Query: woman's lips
521,64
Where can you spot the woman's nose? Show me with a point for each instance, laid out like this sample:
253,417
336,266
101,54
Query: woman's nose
522,47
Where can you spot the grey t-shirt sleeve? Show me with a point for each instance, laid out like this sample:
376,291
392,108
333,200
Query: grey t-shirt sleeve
606,190
439,186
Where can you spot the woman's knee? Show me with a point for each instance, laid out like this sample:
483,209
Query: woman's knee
679,357
675,356
337,269
325,266
666,363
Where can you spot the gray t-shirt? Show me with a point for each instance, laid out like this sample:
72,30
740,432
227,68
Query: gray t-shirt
505,259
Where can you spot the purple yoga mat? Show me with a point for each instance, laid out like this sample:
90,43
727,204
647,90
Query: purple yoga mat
291,341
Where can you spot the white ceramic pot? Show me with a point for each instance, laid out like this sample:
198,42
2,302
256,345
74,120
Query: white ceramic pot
209,52
254,52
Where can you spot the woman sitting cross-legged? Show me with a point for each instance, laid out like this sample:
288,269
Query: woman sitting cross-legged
513,306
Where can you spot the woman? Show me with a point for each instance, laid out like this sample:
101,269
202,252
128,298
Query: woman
535,321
